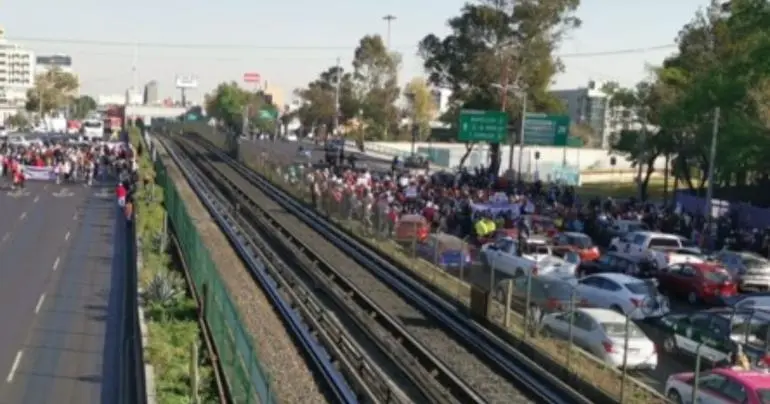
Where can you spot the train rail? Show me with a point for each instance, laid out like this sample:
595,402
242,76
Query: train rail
303,273
495,370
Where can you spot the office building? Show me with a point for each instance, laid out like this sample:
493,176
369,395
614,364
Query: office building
17,67
588,105
151,93
44,63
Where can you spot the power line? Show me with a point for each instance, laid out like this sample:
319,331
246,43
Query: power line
210,46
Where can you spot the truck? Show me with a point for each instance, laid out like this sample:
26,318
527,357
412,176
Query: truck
534,257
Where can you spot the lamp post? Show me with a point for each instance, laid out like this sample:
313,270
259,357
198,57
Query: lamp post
389,18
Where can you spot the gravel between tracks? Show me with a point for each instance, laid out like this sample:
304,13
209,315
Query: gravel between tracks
493,387
292,381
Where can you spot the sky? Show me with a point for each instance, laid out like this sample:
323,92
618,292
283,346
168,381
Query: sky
289,43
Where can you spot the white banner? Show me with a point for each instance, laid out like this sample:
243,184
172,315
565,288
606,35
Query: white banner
186,81
39,173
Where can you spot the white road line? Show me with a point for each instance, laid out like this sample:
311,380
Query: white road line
15,366
39,303
23,216
56,263
37,198
45,187
75,216
6,236
67,236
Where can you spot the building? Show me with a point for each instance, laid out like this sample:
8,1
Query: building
103,100
588,105
275,93
17,68
133,96
151,93
441,98
45,63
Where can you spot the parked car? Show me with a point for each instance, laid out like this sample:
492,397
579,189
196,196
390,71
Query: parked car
617,262
579,243
534,256
548,294
445,251
751,271
636,298
723,385
602,332
749,300
697,282
716,331
411,229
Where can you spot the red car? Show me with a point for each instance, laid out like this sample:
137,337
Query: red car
697,282
575,242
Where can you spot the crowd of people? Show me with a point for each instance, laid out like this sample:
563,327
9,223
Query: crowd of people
471,204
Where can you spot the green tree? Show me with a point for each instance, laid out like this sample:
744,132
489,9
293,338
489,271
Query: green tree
81,106
228,103
422,106
17,120
500,44
54,87
319,99
376,86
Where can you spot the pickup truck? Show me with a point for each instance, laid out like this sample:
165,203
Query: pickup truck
660,249
535,256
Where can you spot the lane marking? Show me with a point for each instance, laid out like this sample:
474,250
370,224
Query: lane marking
37,198
6,236
67,236
56,263
15,366
23,216
75,216
45,187
39,303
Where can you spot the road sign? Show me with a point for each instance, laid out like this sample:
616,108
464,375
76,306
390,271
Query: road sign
251,77
546,130
482,126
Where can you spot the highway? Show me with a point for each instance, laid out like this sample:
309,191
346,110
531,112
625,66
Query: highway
60,284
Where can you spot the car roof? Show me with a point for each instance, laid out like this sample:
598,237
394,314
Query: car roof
648,233
756,379
616,277
575,234
603,315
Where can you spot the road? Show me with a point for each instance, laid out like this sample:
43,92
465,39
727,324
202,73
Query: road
60,283
289,150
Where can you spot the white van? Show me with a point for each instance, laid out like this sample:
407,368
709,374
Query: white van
93,129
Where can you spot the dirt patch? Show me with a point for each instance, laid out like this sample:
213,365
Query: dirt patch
292,381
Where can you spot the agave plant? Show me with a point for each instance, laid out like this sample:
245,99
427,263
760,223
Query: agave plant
164,289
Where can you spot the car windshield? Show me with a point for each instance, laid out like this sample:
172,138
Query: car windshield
92,124
581,241
749,329
641,288
618,329
754,261
664,242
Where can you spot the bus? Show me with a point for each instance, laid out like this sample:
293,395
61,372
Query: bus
93,129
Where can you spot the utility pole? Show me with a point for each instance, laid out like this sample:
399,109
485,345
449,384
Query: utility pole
134,72
389,20
337,98
714,137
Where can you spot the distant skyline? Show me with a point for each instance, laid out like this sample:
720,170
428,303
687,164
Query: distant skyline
289,43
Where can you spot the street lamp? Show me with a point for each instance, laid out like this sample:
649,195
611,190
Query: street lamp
521,93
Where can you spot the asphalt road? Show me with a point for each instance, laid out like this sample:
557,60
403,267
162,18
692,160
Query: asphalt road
289,150
60,282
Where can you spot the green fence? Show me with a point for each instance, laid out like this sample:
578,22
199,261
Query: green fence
247,378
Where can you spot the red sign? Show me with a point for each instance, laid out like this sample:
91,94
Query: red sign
252,77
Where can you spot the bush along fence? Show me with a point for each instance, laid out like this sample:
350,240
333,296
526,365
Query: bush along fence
247,380
177,365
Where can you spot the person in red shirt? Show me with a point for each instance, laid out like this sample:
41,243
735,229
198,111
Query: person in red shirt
121,193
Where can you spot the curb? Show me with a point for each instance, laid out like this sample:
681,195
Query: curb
149,371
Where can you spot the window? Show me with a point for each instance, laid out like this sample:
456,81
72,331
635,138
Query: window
711,382
664,242
639,239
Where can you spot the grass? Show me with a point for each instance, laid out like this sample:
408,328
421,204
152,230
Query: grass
581,364
622,190
173,327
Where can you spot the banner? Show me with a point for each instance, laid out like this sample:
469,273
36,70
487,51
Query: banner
39,173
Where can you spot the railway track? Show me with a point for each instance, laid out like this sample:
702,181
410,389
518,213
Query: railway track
380,360
461,349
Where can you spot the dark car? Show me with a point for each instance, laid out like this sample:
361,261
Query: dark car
548,294
416,161
334,152
715,333
618,262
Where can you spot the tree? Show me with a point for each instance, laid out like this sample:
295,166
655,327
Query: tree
82,106
319,98
500,44
54,87
17,120
228,103
376,86
422,106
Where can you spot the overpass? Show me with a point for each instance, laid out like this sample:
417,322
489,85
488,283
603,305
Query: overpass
148,112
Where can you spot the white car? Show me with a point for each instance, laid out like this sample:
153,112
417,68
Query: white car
636,298
602,333
649,245
3,131
18,141
509,259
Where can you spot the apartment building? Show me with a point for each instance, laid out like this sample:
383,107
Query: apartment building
17,75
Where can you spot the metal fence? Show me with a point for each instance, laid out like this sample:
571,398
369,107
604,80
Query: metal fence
462,281
247,379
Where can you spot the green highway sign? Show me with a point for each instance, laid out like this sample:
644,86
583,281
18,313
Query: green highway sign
546,130
482,126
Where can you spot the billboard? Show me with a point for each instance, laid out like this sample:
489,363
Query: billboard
55,60
251,77
186,82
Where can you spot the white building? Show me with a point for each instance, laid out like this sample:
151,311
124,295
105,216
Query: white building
590,106
104,100
17,75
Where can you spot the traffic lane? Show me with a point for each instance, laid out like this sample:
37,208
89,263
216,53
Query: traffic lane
71,354
36,226
667,364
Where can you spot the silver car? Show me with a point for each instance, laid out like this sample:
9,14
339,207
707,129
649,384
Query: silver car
750,271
